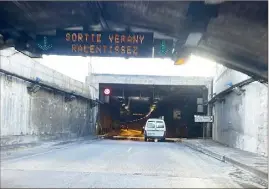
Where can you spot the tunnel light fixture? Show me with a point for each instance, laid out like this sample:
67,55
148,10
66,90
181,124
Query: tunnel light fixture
153,107
121,98
180,61
137,114
156,100
139,98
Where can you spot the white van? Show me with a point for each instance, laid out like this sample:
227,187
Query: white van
155,129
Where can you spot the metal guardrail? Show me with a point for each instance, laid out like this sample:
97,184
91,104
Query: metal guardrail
230,89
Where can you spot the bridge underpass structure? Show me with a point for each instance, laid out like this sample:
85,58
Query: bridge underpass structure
231,98
232,33
39,102
132,97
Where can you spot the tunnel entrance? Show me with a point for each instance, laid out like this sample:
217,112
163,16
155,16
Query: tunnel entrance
127,108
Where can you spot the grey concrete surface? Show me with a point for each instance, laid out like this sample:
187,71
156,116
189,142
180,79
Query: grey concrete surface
30,117
225,75
120,164
241,121
149,79
252,162
93,80
24,150
17,63
232,29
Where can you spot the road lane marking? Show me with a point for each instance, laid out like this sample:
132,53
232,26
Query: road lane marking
129,149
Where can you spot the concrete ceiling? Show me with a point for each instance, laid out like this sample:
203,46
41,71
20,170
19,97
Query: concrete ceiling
233,33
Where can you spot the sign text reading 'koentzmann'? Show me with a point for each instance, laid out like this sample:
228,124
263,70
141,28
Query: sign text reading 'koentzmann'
108,44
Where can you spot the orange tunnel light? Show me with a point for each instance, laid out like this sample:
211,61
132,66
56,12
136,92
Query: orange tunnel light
180,61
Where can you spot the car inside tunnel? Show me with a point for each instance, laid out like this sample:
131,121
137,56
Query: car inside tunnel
129,106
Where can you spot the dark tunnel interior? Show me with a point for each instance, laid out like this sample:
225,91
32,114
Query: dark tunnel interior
132,105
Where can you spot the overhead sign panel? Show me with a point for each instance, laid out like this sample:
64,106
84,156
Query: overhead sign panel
102,44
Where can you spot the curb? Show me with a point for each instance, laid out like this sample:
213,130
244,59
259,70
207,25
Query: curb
205,151
225,159
8,148
257,172
137,138
76,140
124,138
54,145
178,140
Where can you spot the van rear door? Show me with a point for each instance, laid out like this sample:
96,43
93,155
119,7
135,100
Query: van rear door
150,128
160,128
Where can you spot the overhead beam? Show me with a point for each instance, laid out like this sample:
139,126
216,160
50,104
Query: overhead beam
103,21
232,61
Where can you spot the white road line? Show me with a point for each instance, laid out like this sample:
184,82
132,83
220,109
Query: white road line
129,149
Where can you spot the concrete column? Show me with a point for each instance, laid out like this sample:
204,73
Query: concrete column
209,110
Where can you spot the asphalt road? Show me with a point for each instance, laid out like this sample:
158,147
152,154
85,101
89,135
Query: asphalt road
121,164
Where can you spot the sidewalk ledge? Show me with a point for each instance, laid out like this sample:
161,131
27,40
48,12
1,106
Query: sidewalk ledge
223,158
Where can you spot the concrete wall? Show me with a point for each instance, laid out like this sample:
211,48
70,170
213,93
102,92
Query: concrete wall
224,76
22,65
241,120
44,113
150,80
